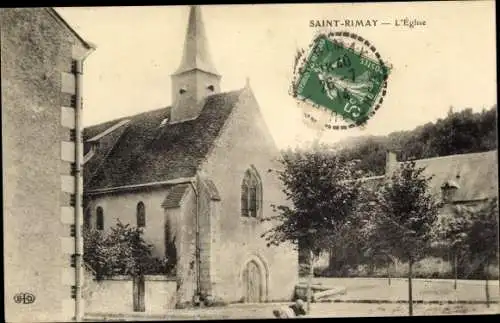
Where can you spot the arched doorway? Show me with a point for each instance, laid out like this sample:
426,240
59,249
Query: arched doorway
254,281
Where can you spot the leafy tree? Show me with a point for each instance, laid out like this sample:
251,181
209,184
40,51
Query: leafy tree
322,195
403,212
451,232
121,251
483,238
458,133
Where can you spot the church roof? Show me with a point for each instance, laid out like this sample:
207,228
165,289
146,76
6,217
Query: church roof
196,52
174,196
147,150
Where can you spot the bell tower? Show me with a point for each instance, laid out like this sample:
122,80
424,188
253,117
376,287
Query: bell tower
196,78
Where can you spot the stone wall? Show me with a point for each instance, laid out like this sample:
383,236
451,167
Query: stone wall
245,141
116,295
37,118
123,206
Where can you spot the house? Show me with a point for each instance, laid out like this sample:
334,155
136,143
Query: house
461,182
41,63
195,177
464,179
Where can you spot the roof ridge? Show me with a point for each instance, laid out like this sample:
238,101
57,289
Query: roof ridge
155,110
126,117
454,156
109,130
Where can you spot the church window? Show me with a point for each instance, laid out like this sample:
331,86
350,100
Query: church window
211,88
251,194
181,91
99,218
141,215
164,122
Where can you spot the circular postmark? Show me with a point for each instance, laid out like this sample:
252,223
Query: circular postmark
340,81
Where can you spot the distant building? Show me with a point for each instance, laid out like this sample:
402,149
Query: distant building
195,176
41,58
465,181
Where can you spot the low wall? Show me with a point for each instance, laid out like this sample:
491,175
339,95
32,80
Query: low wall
112,295
160,294
116,295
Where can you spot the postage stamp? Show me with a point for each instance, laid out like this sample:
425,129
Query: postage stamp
342,78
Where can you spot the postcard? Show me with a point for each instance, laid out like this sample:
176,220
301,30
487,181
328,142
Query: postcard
249,161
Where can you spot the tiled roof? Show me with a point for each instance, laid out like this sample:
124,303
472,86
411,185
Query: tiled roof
105,146
476,174
212,190
146,152
174,196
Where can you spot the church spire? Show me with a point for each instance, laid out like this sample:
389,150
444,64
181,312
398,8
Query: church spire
196,78
196,54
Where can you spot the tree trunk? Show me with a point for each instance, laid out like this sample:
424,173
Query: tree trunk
309,281
455,268
389,274
486,287
410,294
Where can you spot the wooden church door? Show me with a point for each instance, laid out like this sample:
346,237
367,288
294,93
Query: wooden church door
252,281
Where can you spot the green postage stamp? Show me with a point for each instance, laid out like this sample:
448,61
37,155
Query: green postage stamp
343,75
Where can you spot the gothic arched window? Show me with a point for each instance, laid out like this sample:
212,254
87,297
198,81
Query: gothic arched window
251,194
141,215
99,223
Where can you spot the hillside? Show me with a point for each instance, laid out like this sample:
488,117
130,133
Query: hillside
459,133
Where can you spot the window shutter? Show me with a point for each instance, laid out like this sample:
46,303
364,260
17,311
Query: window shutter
244,200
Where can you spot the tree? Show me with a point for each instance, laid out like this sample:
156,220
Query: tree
459,132
322,195
451,232
403,214
483,238
121,251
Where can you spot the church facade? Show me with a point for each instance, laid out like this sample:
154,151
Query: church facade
195,176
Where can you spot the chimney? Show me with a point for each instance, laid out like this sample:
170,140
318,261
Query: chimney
391,162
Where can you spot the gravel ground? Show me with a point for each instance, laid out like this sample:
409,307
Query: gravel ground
257,311
357,289
425,290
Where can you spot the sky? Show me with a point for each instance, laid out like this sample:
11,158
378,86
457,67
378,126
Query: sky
451,61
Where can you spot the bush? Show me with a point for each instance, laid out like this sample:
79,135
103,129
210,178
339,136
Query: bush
432,267
121,251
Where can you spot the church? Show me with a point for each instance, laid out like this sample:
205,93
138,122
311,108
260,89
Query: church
195,176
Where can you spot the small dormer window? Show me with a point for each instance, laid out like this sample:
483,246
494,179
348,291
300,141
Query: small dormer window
164,122
183,90
448,190
211,88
